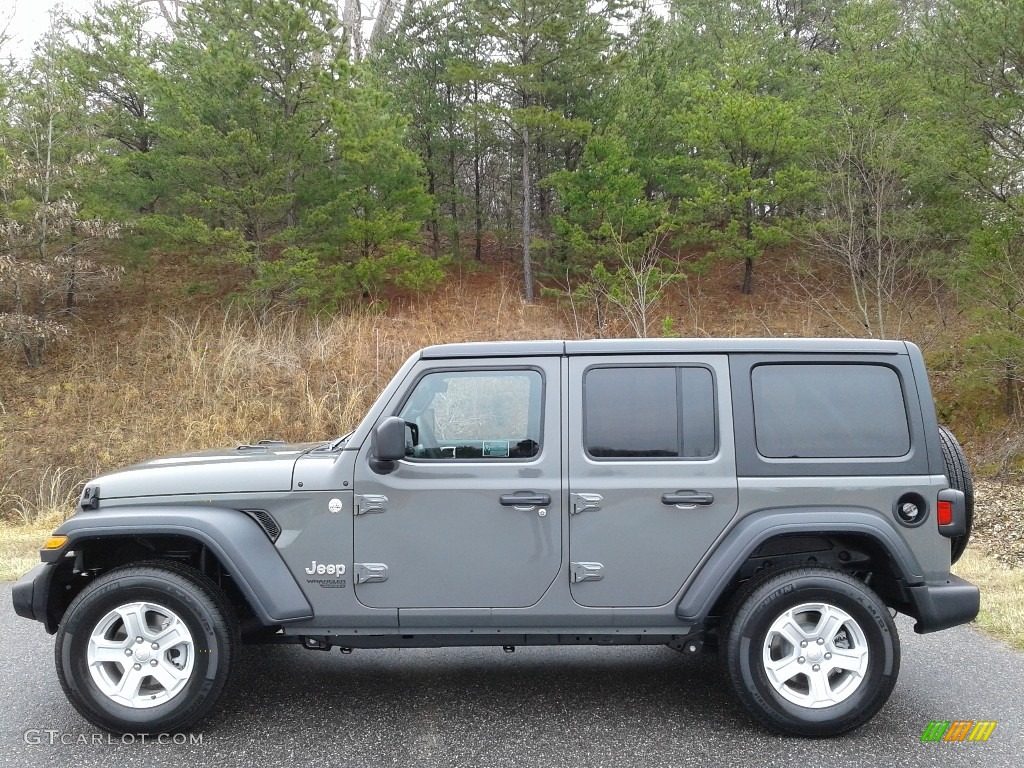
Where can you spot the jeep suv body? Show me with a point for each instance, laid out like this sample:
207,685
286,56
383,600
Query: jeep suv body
770,500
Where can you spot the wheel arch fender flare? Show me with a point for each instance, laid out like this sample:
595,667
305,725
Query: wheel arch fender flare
233,537
715,575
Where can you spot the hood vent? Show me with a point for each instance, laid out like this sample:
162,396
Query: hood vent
261,446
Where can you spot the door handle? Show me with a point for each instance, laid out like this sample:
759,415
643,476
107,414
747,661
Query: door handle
688,498
525,499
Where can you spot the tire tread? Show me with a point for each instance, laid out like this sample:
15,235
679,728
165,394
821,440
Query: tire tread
202,587
959,475
740,609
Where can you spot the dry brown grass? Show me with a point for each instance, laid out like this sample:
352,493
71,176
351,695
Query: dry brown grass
20,544
53,488
1002,594
183,381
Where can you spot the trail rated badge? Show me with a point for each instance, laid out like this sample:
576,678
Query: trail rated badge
958,730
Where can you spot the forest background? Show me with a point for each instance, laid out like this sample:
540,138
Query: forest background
224,220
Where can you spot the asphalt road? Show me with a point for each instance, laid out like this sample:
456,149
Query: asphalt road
546,707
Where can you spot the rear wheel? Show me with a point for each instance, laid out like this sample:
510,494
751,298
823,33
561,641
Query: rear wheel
959,476
811,652
146,648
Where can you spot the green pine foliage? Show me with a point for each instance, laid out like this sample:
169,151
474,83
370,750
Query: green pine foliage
246,137
605,149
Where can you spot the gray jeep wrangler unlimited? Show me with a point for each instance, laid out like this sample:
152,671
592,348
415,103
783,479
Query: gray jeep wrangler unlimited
776,501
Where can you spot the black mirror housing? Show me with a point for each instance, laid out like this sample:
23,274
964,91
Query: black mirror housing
388,444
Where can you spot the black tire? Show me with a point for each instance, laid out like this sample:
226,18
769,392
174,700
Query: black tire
749,625
188,596
959,476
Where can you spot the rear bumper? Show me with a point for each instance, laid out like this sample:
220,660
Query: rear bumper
30,594
941,606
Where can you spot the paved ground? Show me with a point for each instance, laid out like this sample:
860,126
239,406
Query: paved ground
578,707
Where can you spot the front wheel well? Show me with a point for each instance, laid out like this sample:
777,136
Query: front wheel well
95,556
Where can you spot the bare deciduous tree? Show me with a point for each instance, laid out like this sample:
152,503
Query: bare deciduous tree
383,23
170,10
46,243
859,201
631,290
637,285
869,235
354,21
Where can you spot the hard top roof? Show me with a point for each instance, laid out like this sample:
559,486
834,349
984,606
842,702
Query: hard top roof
662,346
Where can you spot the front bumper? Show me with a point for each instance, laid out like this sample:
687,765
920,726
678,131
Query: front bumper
941,606
30,595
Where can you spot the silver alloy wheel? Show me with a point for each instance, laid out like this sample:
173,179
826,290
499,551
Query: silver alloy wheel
815,655
141,655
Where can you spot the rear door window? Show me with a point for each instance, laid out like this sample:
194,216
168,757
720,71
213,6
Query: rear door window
649,412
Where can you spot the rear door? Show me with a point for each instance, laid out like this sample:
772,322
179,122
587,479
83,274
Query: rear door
652,474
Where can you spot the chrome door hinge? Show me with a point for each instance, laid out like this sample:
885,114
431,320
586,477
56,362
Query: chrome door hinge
367,573
585,572
585,502
371,503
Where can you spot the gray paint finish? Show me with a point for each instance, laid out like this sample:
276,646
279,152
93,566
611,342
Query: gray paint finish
648,548
234,538
443,534
560,493
314,534
324,471
262,470
749,461
875,495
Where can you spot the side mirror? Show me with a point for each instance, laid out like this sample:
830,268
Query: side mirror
387,445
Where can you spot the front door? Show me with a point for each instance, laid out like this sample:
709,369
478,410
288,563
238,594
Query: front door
652,476
471,517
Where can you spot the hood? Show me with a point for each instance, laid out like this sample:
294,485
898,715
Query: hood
246,469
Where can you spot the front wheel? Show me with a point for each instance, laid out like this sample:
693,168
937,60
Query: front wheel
811,652
146,648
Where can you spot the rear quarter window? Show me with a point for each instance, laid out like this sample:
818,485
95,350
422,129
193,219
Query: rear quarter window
837,411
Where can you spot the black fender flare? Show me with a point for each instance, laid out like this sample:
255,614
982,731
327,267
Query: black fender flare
752,531
233,537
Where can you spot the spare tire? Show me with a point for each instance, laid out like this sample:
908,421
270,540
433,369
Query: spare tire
959,476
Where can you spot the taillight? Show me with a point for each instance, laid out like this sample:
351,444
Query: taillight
951,513
944,512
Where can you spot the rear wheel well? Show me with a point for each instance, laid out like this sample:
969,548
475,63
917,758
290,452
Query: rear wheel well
92,557
860,555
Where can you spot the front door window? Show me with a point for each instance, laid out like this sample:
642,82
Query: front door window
481,415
